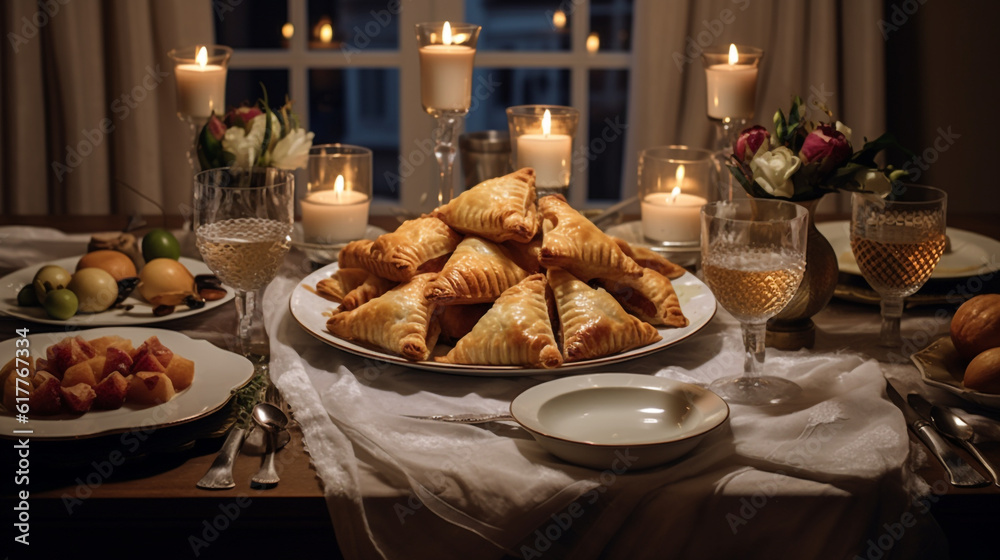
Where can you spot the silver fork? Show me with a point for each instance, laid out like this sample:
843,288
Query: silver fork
465,418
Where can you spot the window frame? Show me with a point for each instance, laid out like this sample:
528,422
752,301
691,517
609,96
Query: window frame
415,125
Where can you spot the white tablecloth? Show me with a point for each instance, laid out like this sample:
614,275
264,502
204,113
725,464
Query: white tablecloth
826,476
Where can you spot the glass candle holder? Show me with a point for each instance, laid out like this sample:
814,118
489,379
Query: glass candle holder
731,88
674,183
200,75
339,194
541,137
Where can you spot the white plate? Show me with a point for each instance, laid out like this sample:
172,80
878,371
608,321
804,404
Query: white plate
971,254
308,309
941,366
140,314
592,420
217,374
322,252
632,232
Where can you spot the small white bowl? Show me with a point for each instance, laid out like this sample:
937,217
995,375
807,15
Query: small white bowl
618,420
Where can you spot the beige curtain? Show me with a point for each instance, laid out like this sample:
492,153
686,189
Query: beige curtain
821,49
88,102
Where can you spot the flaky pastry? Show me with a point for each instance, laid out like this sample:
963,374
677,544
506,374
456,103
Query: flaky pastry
457,321
417,246
572,242
497,209
477,272
398,321
515,331
651,297
340,283
593,323
371,288
648,258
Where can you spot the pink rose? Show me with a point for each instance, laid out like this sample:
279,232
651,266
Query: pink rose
750,141
826,146
216,128
241,116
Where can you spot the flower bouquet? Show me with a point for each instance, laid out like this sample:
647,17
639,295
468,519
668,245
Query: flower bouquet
254,136
805,160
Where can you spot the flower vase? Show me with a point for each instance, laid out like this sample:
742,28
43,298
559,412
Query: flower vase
793,328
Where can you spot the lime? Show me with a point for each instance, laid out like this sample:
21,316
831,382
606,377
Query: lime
61,304
27,297
160,244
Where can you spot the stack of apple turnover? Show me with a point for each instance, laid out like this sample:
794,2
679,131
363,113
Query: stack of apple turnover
504,280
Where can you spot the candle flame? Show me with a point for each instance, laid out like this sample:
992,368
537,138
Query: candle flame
593,42
326,33
674,194
287,30
546,123
679,176
202,57
338,185
559,19
446,34
734,55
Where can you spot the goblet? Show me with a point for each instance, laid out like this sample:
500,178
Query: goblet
243,226
753,257
897,241
446,59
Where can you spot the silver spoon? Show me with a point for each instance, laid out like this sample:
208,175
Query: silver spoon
953,426
273,420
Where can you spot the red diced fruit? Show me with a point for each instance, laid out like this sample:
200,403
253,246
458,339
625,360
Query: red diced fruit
144,361
158,350
111,391
46,398
67,353
117,360
78,398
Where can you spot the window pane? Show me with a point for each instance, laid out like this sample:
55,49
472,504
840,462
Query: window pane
251,24
360,106
495,89
353,25
611,20
243,87
606,137
521,25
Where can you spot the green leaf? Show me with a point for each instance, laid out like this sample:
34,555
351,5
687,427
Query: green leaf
262,158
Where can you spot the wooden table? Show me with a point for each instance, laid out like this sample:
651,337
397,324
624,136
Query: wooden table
150,505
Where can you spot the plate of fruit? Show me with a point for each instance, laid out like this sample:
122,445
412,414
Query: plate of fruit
106,288
112,380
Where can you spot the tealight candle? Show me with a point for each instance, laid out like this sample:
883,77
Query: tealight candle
446,73
201,82
673,186
732,88
674,216
336,215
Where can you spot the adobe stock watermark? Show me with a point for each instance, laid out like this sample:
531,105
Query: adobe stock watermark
223,7
614,129
899,15
377,23
892,532
694,46
919,163
567,7
30,27
121,107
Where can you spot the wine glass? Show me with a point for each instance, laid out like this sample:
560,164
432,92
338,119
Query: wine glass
753,255
897,241
243,225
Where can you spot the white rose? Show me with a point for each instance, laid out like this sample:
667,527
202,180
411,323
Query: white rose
773,171
244,147
292,151
874,181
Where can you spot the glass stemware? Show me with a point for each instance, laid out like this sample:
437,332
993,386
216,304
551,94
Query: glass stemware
446,54
243,225
897,243
753,257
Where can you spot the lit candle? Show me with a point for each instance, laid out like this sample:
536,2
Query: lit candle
549,154
201,87
674,216
446,74
732,88
333,216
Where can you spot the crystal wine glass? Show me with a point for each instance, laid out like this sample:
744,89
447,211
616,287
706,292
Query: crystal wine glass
243,225
897,241
446,53
753,257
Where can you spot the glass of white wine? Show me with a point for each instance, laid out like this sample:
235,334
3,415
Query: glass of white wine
243,226
753,255
897,242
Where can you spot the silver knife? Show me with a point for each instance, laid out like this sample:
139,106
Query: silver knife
960,473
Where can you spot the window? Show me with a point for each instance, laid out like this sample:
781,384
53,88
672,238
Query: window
351,68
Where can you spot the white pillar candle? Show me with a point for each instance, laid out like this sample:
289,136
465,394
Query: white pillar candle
334,216
201,87
673,217
549,154
446,74
732,88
